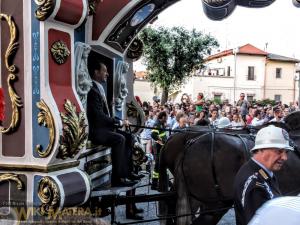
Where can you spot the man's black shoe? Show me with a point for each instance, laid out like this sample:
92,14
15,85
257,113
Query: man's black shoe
134,216
123,182
138,210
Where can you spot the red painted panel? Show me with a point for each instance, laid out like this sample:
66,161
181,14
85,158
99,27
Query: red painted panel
60,77
70,11
13,145
106,11
4,194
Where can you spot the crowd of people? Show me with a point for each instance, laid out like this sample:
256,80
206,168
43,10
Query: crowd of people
206,112
203,112
255,183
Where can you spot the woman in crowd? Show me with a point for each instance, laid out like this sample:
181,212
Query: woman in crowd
237,122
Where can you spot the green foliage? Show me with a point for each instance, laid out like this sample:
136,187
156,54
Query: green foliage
264,102
172,54
217,101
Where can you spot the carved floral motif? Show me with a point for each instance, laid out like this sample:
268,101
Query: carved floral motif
74,128
60,52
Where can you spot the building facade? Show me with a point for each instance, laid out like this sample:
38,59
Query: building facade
247,69
259,74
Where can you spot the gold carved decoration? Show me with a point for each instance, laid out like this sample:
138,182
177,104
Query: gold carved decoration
12,177
45,9
92,6
60,52
135,111
49,195
135,49
74,128
45,118
16,101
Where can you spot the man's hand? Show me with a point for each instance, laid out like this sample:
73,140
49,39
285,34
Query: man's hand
159,142
126,123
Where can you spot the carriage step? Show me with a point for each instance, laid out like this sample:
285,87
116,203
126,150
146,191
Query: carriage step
121,200
113,190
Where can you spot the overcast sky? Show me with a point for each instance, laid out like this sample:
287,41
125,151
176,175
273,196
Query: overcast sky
278,25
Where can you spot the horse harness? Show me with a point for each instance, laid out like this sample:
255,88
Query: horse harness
212,160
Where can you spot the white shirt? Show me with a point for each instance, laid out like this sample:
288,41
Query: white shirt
237,125
213,122
257,122
275,120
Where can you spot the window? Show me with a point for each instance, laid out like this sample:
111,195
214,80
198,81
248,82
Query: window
278,72
277,98
217,97
250,98
221,72
228,71
250,72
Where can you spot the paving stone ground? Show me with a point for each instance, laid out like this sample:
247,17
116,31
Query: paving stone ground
151,210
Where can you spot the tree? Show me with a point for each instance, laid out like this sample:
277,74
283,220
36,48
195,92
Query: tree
172,54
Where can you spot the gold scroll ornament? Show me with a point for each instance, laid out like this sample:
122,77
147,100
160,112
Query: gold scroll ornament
45,118
93,6
74,129
16,101
45,9
49,195
12,177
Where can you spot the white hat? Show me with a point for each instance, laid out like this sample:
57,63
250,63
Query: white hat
223,122
272,137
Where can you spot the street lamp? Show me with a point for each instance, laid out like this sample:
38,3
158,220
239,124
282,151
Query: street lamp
234,51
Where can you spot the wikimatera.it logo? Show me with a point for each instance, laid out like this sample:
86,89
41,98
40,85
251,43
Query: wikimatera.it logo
20,214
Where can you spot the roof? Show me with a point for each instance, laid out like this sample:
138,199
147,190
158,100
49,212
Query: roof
141,75
245,49
251,50
275,57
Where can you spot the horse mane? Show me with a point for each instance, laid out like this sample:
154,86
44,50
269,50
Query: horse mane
293,120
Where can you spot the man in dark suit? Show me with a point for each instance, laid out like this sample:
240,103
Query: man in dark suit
255,183
102,127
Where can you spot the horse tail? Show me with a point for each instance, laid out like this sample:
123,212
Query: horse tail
183,203
163,185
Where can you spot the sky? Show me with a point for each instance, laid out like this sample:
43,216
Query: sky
277,25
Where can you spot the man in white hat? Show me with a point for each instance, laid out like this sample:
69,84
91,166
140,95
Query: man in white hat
255,182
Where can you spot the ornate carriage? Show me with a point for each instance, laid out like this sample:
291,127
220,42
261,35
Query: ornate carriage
46,160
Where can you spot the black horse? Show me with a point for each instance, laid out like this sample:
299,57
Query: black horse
204,165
